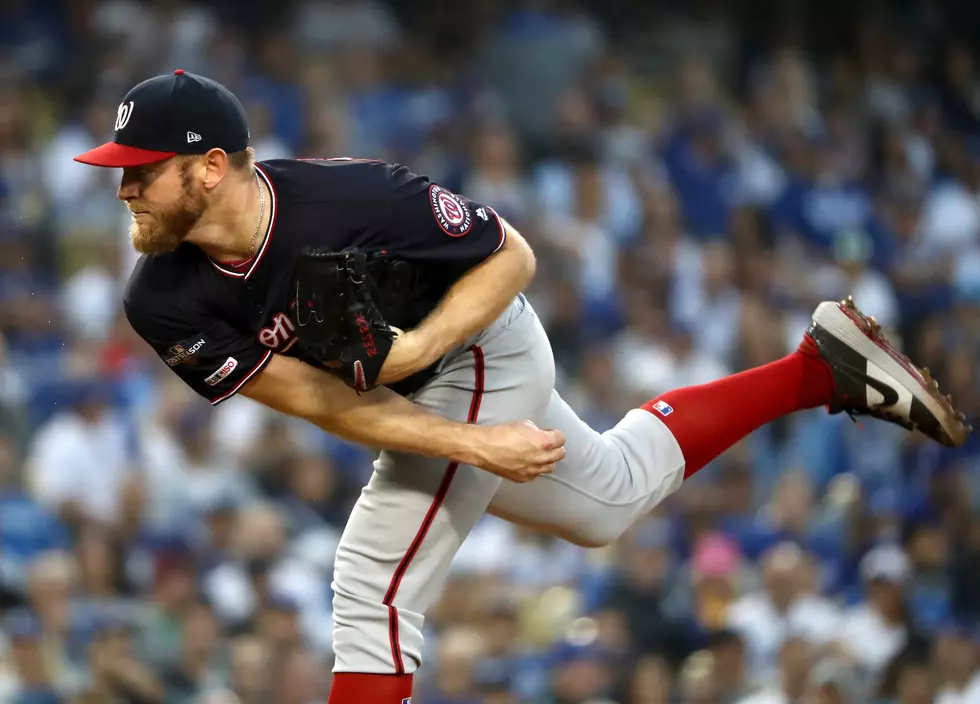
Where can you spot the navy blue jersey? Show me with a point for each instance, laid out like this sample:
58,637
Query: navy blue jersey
217,325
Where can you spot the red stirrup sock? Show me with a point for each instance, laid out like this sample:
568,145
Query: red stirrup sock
355,688
708,419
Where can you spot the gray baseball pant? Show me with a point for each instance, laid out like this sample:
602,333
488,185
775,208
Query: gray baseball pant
415,512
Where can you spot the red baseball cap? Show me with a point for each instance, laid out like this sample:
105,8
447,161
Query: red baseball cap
178,113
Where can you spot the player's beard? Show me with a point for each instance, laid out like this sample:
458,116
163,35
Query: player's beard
162,230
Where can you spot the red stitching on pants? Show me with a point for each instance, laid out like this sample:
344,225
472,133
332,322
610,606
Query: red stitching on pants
447,480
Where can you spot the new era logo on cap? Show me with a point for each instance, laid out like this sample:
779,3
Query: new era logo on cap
153,118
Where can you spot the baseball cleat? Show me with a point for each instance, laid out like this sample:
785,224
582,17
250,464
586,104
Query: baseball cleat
873,378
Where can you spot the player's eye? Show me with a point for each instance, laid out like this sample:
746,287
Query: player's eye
144,175
135,173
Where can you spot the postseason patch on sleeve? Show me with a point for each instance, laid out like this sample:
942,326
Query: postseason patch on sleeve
452,213
183,352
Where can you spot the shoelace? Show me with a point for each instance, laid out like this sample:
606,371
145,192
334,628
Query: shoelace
853,414
844,405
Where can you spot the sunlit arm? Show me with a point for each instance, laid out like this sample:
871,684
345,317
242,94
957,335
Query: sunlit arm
380,418
472,304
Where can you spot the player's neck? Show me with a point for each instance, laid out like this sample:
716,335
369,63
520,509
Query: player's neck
227,230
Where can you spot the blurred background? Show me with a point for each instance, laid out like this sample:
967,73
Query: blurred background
694,177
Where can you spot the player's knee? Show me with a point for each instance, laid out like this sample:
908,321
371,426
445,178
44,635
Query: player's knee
588,542
599,534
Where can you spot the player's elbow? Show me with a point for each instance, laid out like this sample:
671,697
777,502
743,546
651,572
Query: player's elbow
521,254
529,265
525,266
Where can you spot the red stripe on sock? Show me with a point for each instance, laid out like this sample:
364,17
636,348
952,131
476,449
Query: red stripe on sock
357,688
709,418
447,480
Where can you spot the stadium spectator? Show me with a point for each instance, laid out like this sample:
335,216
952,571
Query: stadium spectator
876,631
957,658
795,656
786,607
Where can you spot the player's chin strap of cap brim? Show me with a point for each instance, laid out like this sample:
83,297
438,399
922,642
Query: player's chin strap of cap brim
115,155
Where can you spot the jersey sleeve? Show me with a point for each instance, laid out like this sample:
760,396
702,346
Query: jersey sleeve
427,222
209,355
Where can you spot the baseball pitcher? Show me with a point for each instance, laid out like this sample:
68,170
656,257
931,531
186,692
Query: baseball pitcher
388,310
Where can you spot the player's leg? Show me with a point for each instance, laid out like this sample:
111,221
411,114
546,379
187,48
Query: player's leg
606,481
415,512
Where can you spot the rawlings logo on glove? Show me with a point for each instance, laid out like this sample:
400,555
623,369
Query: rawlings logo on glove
337,321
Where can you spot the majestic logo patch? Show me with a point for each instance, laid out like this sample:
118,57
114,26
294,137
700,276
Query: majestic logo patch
183,352
663,408
452,213
227,368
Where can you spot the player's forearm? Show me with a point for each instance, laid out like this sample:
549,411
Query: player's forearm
478,298
386,420
380,418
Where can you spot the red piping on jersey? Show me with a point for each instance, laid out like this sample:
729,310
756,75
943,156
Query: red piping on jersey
273,205
238,263
447,480
261,363
500,224
352,159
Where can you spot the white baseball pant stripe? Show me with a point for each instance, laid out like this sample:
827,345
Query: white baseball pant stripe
415,511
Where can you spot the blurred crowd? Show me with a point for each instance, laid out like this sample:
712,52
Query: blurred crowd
694,178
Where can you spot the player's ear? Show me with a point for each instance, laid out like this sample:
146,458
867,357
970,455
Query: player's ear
216,167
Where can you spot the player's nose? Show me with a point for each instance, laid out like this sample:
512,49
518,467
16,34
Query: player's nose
128,189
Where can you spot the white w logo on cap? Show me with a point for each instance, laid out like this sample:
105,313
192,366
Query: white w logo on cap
123,114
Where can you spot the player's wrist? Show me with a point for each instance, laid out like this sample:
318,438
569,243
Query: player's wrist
428,344
405,358
468,445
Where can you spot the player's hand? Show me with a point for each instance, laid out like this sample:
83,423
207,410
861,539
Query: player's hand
519,451
407,356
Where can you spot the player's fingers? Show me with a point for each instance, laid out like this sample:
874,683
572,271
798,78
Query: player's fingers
522,476
532,473
560,453
551,439
550,457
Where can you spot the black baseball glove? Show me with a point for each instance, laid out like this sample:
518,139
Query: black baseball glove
337,320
